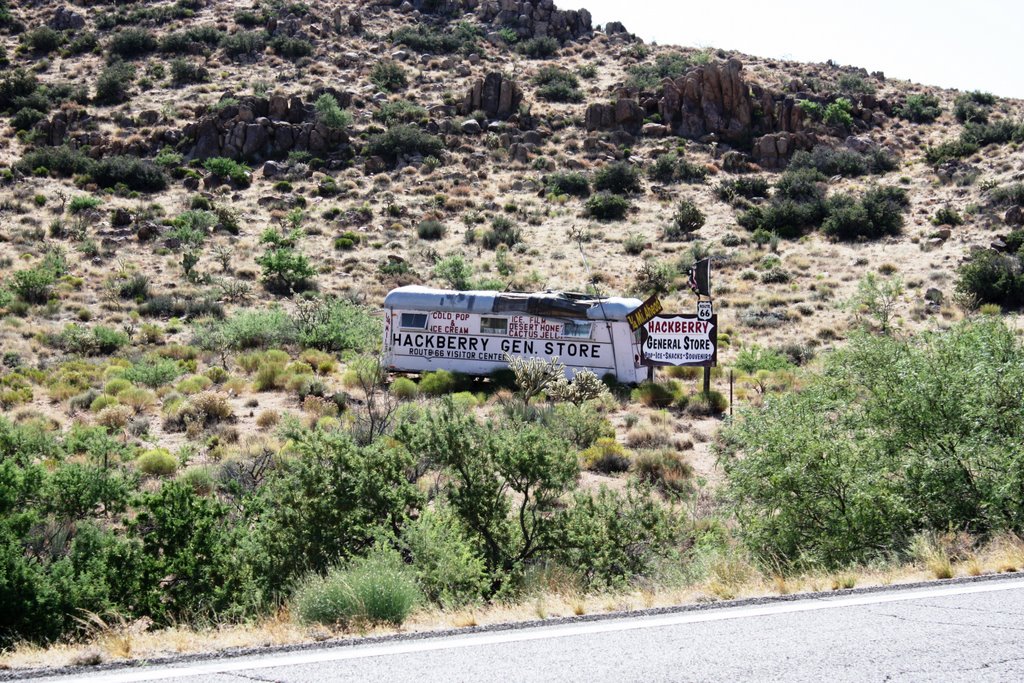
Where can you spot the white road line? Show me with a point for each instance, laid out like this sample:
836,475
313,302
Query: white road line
539,633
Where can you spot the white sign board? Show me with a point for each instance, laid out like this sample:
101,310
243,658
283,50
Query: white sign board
679,340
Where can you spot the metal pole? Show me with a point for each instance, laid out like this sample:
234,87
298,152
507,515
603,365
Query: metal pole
707,380
730,393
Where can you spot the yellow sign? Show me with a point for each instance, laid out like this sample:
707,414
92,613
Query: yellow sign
644,312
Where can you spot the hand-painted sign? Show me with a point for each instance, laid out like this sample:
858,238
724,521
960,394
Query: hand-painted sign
644,312
679,340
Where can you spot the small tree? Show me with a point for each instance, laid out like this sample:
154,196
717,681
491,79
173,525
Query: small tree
454,271
877,300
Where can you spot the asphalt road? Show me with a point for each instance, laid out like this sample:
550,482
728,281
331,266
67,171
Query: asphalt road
958,632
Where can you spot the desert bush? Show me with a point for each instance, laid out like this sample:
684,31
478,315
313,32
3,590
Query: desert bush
619,177
437,383
843,162
707,404
448,568
42,39
580,425
973,107
879,213
756,358
648,77
556,84
431,229
33,285
291,47
920,108
454,271
133,173
839,113
503,230
606,456
405,389
244,44
132,42
336,325
607,206
85,341
686,220
665,470
653,395
993,278
951,149
204,409
157,462
328,111
895,436
374,589
611,539
113,83
400,111
229,169
670,168
185,71
947,215
403,139
389,76
427,39
285,271
567,183
538,48
747,186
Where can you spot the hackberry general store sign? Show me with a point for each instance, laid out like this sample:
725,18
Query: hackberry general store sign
679,340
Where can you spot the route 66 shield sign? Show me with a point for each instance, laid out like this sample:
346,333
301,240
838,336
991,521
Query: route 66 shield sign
704,310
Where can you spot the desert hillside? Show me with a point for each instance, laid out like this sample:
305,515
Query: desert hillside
203,205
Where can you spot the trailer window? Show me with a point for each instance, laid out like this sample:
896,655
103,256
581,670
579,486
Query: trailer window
576,329
415,320
493,325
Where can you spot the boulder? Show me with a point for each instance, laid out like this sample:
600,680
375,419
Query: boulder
120,218
497,96
65,19
1014,216
470,127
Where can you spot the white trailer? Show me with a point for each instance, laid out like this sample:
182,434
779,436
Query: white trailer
470,332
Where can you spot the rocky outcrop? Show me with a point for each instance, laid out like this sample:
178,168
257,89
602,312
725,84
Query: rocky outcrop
537,19
625,115
712,99
65,19
775,149
495,95
260,128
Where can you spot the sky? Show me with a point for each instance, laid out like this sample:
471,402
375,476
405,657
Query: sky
963,44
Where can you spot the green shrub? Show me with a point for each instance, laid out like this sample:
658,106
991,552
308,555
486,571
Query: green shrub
403,139
842,162
448,567
670,168
606,456
26,117
42,39
290,47
652,395
882,435
947,215
405,389
648,77
153,372
538,48
336,325
222,167
756,358
285,271
389,76
328,111
618,178
185,71
502,231
556,84
919,108
707,404
33,286
157,462
113,83
973,107
83,202
665,470
993,278
686,220
567,183
378,589
607,206
426,39
132,42
878,214
437,383
749,187
133,173
400,111
431,230
244,44
455,272
839,113
61,160
611,538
